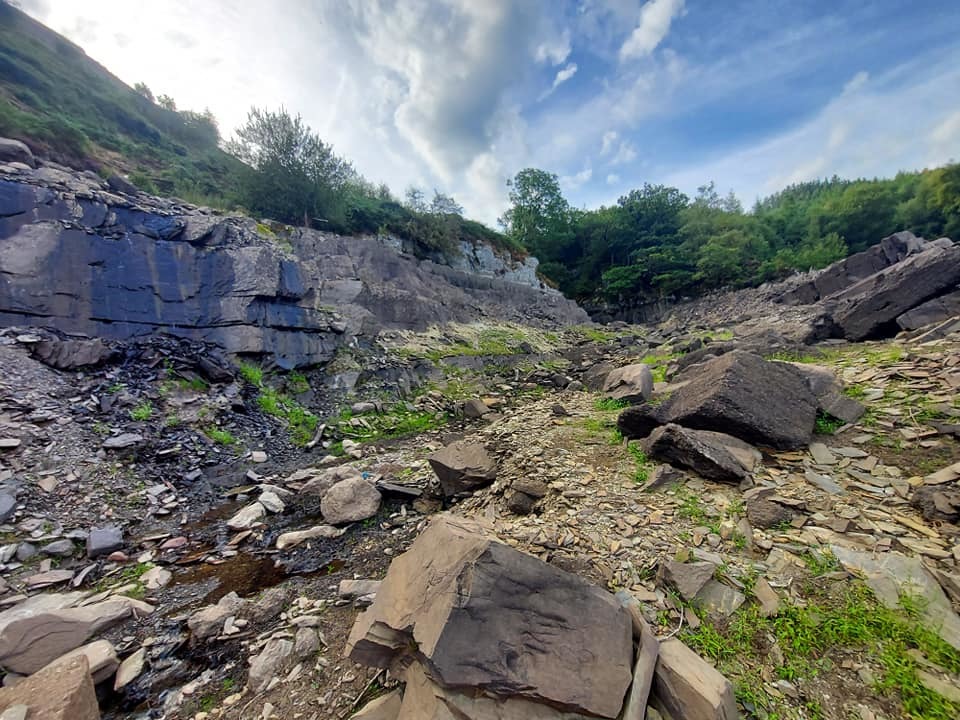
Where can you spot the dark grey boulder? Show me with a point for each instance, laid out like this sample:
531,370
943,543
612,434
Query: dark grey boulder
828,391
594,377
870,308
687,578
8,504
712,455
763,513
72,354
463,467
120,184
741,394
633,383
103,541
15,151
933,311
639,421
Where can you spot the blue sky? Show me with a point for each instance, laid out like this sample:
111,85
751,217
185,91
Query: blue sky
460,94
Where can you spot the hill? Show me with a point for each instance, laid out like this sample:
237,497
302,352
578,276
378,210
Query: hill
69,108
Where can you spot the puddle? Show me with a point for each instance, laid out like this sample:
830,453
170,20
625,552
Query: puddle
246,575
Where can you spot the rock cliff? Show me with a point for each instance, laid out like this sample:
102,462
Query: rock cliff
86,256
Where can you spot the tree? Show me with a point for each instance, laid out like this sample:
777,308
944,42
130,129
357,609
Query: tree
539,216
293,175
167,102
414,199
142,89
444,205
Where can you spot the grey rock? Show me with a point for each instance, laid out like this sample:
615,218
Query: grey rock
530,486
352,589
868,308
350,500
475,408
61,691
463,467
306,643
824,482
685,686
44,627
208,622
25,551
519,503
295,537
59,548
632,382
687,578
741,394
130,668
719,599
247,517
767,597
712,455
72,354
933,311
385,707
639,421
8,505
891,574
596,376
122,441
269,662
15,151
120,184
103,541
662,476
469,605
764,514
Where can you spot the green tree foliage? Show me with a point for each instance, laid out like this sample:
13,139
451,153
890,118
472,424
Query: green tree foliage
657,243
292,175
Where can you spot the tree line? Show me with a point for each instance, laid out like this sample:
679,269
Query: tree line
658,243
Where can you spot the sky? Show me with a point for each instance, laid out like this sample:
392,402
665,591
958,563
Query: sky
459,95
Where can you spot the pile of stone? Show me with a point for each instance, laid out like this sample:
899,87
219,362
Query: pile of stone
477,630
717,410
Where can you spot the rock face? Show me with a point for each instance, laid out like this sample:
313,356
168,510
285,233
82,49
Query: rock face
932,311
76,256
463,467
474,613
61,691
869,308
713,455
15,151
764,403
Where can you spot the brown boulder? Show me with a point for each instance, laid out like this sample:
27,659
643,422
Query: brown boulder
476,613
63,690
463,467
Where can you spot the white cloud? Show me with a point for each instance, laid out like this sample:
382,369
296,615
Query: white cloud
608,142
626,153
555,50
561,77
576,181
656,16
856,82
613,179
854,135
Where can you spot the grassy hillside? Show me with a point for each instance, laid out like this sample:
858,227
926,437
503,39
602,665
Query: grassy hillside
70,109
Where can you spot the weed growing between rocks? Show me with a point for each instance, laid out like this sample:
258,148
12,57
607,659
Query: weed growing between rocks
221,437
808,639
396,422
644,465
826,424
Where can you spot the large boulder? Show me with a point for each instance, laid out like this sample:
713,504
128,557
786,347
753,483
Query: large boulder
871,307
828,391
638,421
463,467
932,311
350,501
63,690
71,354
44,627
15,151
475,613
632,383
712,455
741,394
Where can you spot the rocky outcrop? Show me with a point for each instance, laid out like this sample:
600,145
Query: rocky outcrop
870,308
932,311
478,622
78,255
713,455
463,467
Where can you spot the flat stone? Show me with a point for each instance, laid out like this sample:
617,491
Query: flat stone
475,408
102,657
271,501
207,622
269,662
292,539
633,383
687,578
130,669
247,517
823,482
59,548
45,579
385,707
352,589
767,597
821,454
8,505
156,578
122,441
258,456
713,455
941,687
720,599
